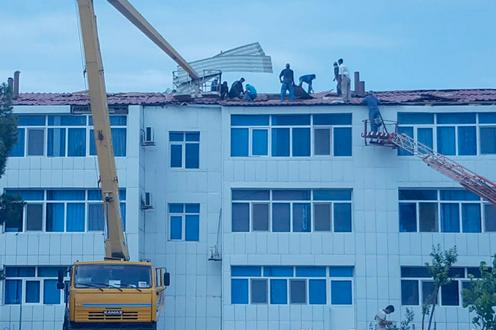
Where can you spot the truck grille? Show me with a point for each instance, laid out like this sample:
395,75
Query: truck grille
100,315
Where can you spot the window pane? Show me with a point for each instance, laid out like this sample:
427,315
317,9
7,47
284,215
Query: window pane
32,291
467,142
75,217
428,220
240,217
409,292
280,142
446,140
239,142
290,195
415,118
192,227
490,217
332,119
280,217
450,216
119,141
278,291
92,143
13,291
260,219
408,217
317,292
55,217
193,136
176,208
408,131
176,227
192,208
424,136
258,291
290,120
342,217
246,271
250,195
471,218
34,217
14,222
249,120
176,136
450,295
51,295
417,194
488,140
456,118
260,142
36,142
322,217
412,271
341,293
458,195
30,120
322,141
278,271
310,271
301,217
56,142
239,291
65,195
192,155
96,220
298,291
176,159
428,294
301,142
342,141
17,149
487,117
332,194
77,142
341,271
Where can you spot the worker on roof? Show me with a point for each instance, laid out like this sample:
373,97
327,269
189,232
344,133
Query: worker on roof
308,78
344,75
214,87
286,77
375,117
250,93
224,90
337,78
237,89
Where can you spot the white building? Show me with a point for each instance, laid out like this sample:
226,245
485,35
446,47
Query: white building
314,229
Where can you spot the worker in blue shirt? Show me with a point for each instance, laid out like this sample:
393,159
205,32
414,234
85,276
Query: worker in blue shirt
250,93
287,83
308,78
375,117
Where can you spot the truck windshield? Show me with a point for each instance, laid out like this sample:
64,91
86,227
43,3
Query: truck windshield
113,276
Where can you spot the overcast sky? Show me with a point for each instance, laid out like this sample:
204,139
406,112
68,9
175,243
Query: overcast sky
395,44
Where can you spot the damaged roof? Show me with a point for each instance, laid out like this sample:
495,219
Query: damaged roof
413,97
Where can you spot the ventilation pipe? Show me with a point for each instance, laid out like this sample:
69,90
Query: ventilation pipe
10,83
15,93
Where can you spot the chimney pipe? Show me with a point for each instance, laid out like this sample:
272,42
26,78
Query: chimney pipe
10,83
357,82
16,84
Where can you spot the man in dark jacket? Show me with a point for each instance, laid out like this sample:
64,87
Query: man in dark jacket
375,117
287,83
237,89
224,90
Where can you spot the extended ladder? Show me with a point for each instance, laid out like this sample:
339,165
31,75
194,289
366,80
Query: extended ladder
465,177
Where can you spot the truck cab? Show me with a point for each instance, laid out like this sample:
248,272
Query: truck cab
113,294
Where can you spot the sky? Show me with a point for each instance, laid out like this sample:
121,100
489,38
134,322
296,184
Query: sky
395,44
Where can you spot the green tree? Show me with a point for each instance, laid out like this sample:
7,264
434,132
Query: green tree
480,297
10,207
405,324
439,269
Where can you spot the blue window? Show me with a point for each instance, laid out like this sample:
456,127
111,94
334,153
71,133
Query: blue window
77,142
429,295
32,292
322,141
415,271
424,136
184,218
17,149
488,140
250,194
342,141
471,218
332,119
298,291
176,156
280,142
293,120
291,194
192,228
415,118
13,291
408,131
240,217
50,271
239,291
490,218
450,295
192,155
66,120
408,217
246,271
409,292
487,117
75,217
55,217
341,271
342,217
260,142
467,141
30,120
446,140
249,120
458,195
341,292
51,295
184,149
95,217
332,194
450,216
56,142
176,227
278,271
322,216
35,141
310,271
317,292
280,217
278,291
258,291
456,118
67,195
19,271
119,141
417,194
301,142
239,142
301,217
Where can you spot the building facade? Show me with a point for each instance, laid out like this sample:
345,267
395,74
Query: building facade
267,216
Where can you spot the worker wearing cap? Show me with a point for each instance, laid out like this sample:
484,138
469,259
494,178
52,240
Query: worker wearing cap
375,117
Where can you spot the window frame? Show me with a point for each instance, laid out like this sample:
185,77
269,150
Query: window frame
183,144
183,216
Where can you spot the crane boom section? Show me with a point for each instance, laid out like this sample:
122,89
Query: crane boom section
115,244
126,9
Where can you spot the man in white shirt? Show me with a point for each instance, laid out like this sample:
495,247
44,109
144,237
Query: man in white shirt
381,316
345,81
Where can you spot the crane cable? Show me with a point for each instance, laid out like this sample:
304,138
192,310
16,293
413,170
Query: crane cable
81,51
